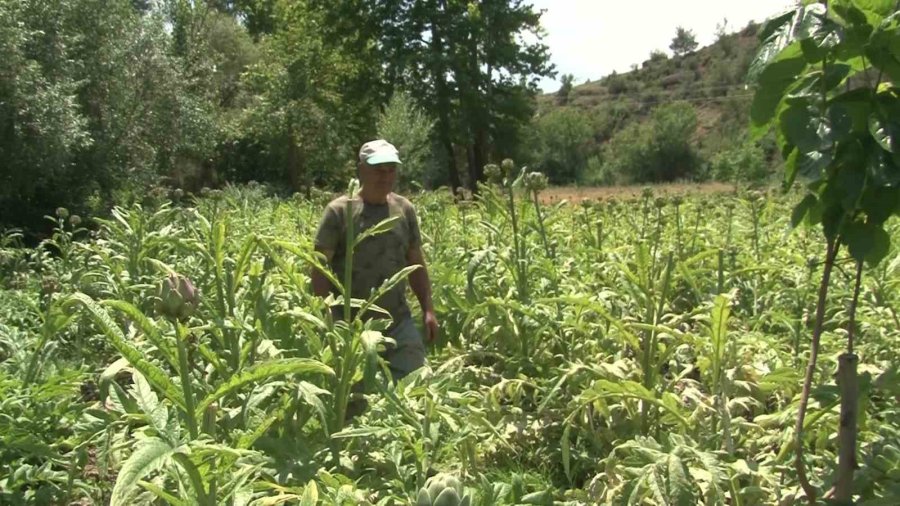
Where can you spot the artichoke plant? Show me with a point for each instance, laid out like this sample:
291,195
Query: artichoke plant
442,490
177,298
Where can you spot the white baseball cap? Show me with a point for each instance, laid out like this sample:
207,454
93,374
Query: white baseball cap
379,151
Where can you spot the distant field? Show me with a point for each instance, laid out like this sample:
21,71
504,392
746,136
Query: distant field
579,193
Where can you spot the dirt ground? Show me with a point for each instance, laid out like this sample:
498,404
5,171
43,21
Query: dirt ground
577,194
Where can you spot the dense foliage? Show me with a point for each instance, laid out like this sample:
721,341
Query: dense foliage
101,100
646,351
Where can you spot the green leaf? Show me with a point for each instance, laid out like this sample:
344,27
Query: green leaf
881,52
866,242
310,494
800,125
156,376
875,10
150,456
566,448
802,209
149,403
885,133
262,371
162,494
679,489
385,287
244,258
381,227
774,81
774,35
148,327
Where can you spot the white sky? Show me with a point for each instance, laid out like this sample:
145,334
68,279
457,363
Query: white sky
591,38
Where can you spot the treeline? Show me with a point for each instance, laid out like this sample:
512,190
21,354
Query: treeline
101,99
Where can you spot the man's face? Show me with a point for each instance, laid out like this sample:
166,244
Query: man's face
378,178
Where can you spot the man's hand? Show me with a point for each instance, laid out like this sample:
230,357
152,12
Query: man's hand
431,326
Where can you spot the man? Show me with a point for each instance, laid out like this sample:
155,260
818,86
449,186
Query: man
381,256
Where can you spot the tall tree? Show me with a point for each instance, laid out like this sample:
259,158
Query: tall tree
684,41
496,68
465,62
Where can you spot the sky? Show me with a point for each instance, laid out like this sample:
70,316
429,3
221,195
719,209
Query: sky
591,38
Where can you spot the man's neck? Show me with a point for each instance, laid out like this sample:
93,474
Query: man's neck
371,197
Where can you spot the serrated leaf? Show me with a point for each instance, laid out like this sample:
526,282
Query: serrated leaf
162,494
387,285
381,227
159,379
148,327
679,487
149,403
262,371
150,456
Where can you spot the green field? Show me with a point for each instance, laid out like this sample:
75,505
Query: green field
642,351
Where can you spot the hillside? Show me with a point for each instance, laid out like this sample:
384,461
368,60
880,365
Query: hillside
710,81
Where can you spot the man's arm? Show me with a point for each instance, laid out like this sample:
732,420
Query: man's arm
421,286
320,284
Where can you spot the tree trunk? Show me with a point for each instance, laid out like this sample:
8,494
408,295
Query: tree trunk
847,381
441,90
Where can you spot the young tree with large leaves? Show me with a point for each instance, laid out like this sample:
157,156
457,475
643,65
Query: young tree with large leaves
829,82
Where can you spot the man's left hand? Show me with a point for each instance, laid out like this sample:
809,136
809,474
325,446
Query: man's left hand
431,326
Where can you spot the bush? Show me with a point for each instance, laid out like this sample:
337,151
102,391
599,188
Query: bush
744,162
658,150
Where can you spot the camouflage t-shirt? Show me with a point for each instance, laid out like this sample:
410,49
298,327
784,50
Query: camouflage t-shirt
378,257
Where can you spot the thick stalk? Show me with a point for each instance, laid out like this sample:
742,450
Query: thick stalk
185,373
650,340
848,383
799,466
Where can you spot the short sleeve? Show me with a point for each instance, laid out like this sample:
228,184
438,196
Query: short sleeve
328,234
415,236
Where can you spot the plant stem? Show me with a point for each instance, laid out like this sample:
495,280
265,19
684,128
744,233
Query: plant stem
848,383
185,373
830,254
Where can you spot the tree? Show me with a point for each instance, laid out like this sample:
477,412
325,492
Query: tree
565,88
96,106
839,131
303,123
684,42
565,138
466,63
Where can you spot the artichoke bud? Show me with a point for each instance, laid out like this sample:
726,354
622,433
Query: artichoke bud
75,220
535,181
177,297
660,202
442,490
62,213
508,166
647,192
492,172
